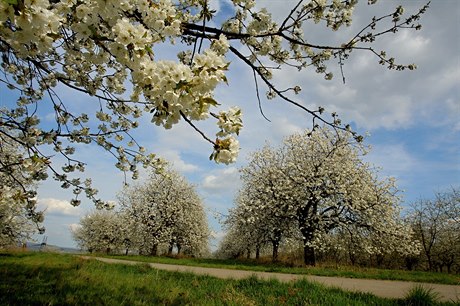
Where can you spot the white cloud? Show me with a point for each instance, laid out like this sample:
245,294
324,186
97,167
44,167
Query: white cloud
58,207
74,226
174,157
396,111
222,180
218,234
283,127
394,159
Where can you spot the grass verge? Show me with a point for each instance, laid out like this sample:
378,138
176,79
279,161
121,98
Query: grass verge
56,279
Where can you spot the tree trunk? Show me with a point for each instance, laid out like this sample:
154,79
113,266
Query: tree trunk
309,256
308,223
248,253
179,248
275,251
257,252
276,243
352,256
379,260
410,262
126,252
154,250
430,261
170,249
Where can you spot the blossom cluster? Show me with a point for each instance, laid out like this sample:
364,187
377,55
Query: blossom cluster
97,47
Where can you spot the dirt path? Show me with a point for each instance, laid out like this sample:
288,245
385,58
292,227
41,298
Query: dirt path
382,288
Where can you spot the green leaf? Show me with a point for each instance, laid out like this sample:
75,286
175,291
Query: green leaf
149,49
209,100
181,85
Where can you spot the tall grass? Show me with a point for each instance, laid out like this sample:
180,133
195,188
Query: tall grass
421,296
55,279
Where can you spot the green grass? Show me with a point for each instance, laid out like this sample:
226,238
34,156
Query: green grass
421,296
56,279
341,271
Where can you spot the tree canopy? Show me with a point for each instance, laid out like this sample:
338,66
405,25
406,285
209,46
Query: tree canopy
165,211
108,51
436,223
18,215
99,231
317,185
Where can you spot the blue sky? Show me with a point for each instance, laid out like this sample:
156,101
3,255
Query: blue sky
412,117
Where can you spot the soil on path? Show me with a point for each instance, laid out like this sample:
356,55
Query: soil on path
382,288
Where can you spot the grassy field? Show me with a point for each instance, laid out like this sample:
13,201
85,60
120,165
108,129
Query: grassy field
56,279
344,271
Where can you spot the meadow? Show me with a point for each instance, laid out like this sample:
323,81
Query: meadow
38,278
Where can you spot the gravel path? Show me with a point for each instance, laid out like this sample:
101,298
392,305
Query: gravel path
382,288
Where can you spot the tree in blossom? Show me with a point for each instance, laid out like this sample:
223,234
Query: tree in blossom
359,245
234,244
18,176
318,182
108,50
242,235
166,211
259,204
99,231
436,223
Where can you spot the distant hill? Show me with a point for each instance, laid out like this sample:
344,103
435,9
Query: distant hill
49,247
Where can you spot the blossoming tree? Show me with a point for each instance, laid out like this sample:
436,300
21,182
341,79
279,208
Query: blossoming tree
166,211
259,207
18,215
99,231
436,223
318,182
154,217
108,50
243,235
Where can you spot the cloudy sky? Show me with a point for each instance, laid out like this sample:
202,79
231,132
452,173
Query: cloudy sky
412,117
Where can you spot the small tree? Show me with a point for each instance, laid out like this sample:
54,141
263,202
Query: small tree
233,244
99,231
436,223
166,211
260,203
246,232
